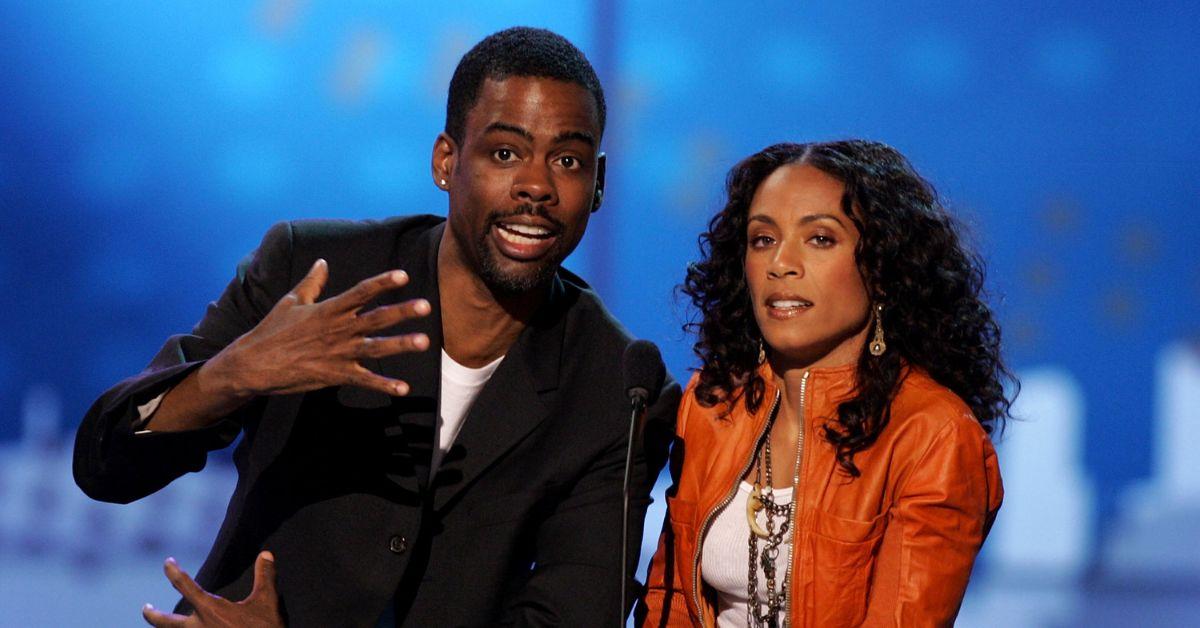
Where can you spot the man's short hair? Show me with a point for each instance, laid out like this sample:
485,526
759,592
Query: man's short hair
517,51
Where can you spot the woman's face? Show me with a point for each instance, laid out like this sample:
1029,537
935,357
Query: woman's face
809,298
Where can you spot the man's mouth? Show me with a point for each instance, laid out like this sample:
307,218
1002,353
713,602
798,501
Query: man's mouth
521,241
523,234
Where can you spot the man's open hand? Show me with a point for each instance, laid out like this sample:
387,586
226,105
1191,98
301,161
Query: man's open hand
259,610
303,345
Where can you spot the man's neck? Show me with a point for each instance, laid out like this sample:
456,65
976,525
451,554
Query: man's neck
478,325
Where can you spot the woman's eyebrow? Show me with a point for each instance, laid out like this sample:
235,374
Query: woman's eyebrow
815,217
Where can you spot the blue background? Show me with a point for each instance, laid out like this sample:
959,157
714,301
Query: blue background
146,146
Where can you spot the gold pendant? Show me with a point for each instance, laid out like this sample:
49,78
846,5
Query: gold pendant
753,505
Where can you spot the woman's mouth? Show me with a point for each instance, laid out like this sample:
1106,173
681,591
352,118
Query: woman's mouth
787,307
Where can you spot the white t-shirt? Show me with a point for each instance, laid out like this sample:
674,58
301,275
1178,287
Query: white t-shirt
725,556
460,387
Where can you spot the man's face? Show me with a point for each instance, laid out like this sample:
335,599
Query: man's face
522,182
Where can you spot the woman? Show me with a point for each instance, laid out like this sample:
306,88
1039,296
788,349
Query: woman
835,467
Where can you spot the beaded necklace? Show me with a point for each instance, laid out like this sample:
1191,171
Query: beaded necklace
762,497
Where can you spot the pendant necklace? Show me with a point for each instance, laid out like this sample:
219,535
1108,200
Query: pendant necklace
762,498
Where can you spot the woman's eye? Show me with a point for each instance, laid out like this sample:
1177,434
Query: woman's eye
760,241
822,240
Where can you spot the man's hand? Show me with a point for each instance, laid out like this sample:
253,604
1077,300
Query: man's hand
300,345
259,610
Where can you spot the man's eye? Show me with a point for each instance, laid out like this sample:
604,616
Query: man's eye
569,162
503,154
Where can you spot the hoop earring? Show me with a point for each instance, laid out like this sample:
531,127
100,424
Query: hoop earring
878,346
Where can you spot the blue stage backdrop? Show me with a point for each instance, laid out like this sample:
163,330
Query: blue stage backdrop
146,146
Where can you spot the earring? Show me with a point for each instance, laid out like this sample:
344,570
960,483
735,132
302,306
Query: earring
442,182
878,346
762,352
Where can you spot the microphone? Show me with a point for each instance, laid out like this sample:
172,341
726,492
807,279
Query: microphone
644,372
644,376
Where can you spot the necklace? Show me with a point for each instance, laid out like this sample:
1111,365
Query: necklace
762,497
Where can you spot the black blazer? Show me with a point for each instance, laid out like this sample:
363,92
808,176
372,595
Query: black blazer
520,525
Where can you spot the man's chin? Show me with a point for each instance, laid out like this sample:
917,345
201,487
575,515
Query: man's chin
525,277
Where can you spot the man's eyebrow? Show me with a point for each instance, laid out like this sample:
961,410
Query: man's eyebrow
580,136
509,128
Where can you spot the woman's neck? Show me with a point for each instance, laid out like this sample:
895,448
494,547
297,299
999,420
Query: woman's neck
790,380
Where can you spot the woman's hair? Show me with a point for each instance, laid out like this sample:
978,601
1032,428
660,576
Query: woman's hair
912,263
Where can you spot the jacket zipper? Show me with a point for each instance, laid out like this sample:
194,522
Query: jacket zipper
796,499
722,504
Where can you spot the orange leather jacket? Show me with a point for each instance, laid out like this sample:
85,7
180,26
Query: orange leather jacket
893,546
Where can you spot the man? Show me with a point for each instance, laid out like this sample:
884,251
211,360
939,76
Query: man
441,441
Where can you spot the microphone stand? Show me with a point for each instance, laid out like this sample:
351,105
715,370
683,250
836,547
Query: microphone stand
638,404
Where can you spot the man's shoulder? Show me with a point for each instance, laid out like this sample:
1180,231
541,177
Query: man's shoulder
587,314
321,232
356,249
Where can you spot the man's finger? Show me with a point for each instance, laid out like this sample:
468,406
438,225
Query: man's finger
367,289
385,316
183,583
155,617
309,289
264,579
364,378
378,347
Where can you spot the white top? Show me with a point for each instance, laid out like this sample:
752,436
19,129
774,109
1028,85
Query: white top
725,555
460,387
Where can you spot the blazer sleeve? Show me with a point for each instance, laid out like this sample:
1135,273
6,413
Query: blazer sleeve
113,463
577,564
942,514
665,601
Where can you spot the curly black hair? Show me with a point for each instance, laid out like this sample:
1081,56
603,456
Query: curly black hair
517,51
912,261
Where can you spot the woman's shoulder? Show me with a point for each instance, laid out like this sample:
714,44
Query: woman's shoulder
924,409
934,438
691,410
703,417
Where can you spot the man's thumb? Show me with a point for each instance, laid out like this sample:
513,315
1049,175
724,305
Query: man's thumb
309,289
264,578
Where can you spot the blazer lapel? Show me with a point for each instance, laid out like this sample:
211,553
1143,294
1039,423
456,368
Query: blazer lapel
511,404
410,438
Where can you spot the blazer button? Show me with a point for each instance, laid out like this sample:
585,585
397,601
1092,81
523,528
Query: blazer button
398,544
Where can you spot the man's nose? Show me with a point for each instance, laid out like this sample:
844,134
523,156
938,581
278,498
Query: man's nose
534,184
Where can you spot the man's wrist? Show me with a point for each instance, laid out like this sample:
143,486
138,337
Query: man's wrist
219,378
146,412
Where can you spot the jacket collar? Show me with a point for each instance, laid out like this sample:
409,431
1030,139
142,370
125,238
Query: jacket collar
510,405
825,386
825,383
513,402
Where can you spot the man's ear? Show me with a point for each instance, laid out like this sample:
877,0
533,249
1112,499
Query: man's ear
445,155
598,198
